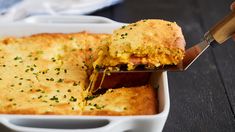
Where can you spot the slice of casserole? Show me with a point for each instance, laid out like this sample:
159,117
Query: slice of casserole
140,100
150,42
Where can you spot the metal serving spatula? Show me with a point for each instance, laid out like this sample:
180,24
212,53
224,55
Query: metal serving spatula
222,31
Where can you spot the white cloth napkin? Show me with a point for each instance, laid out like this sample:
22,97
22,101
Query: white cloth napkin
54,7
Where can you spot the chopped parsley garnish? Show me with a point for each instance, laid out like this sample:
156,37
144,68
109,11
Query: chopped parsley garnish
54,98
57,69
39,96
91,97
38,90
53,59
73,99
60,80
98,107
75,84
51,79
17,58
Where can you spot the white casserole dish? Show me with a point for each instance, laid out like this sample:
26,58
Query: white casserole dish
59,123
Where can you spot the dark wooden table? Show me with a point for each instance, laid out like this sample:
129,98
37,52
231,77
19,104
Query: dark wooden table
203,97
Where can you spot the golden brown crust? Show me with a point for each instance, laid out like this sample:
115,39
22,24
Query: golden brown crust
140,100
44,73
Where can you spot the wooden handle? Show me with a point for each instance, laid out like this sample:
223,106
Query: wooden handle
224,29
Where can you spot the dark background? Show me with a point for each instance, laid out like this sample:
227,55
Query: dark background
203,97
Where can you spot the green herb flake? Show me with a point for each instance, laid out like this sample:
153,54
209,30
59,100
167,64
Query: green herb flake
38,90
98,107
53,59
91,97
54,98
73,99
75,84
57,69
60,80
17,58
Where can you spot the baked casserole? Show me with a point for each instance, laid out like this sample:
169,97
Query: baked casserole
49,73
